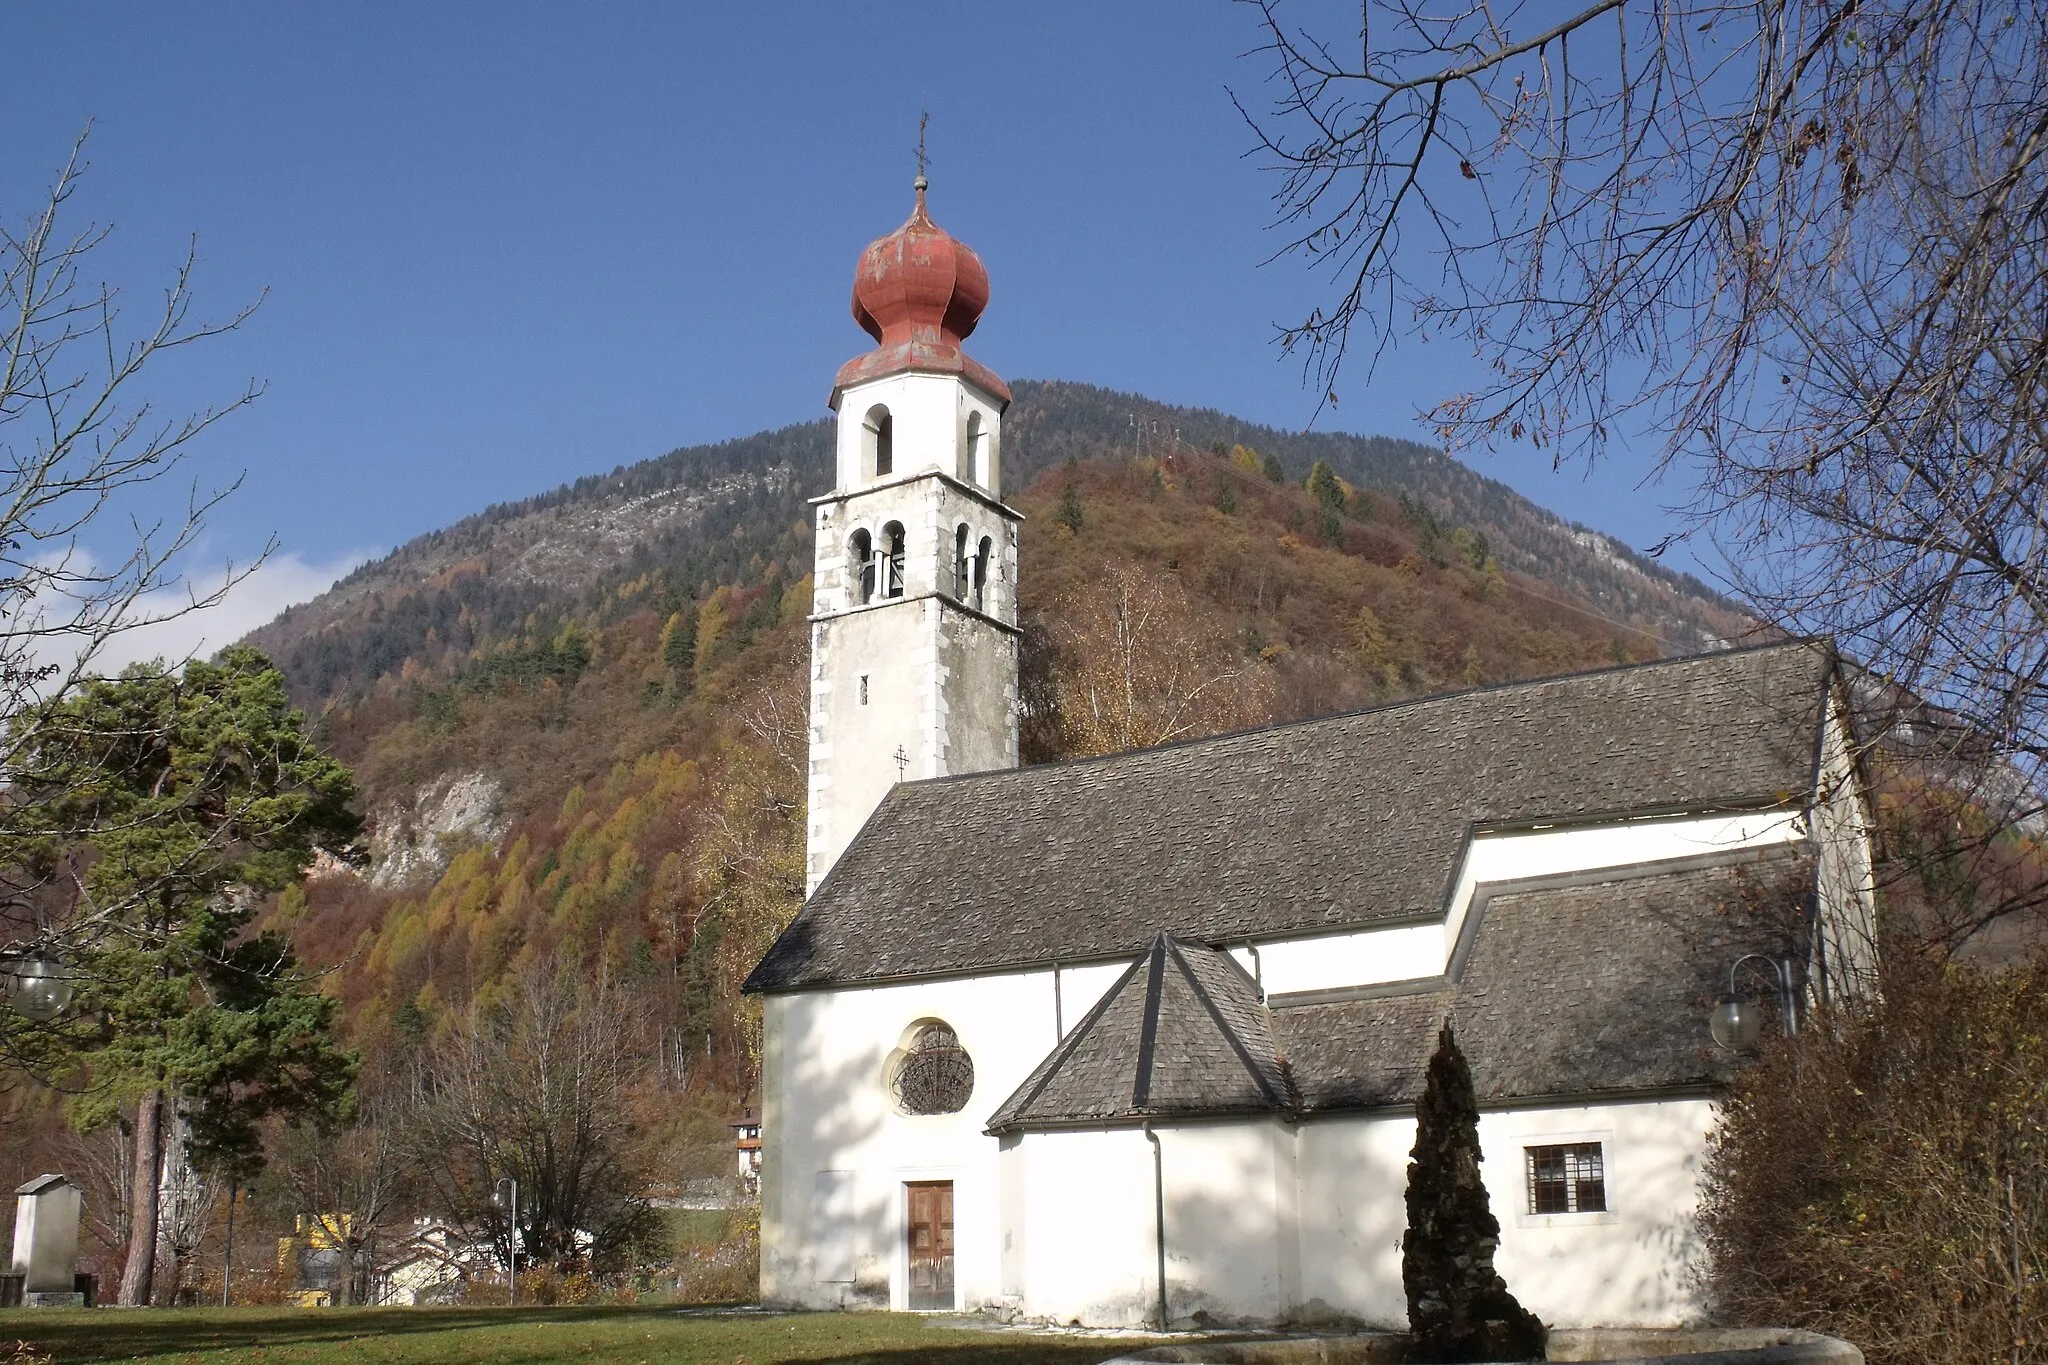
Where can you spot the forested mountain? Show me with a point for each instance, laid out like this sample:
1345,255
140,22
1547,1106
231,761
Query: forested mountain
579,719
729,512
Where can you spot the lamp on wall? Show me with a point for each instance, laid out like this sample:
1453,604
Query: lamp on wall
35,984
1737,1021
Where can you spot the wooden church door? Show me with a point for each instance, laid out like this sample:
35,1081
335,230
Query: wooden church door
930,1224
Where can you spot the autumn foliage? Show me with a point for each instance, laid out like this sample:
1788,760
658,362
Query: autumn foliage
647,727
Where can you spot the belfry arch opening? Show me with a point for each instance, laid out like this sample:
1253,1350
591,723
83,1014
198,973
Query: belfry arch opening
860,564
878,442
982,556
890,561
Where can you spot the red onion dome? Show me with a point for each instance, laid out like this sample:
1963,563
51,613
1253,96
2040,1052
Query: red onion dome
919,292
919,284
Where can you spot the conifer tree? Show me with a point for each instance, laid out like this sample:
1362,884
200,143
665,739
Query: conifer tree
1324,486
679,643
1459,1308
171,803
1069,513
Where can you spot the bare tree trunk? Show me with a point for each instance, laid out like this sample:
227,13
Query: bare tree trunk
140,1271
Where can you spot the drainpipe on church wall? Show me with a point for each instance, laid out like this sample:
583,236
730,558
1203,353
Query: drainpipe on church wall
1159,1218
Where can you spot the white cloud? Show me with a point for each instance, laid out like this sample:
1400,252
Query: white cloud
281,581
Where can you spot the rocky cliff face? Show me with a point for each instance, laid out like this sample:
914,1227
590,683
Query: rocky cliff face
412,842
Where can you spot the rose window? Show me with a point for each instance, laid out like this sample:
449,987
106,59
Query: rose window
934,1074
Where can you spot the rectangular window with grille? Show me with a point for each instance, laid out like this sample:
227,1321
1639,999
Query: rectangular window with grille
1570,1177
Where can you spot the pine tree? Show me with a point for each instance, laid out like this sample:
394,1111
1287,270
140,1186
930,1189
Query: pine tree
180,800
1069,513
1459,1308
679,642
1325,487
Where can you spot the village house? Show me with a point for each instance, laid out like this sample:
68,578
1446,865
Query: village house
1140,1036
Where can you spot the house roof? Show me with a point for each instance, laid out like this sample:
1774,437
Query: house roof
1572,988
1182,1032
42,1183
1309,827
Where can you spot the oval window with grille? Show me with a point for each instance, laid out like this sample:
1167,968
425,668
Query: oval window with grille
934,1074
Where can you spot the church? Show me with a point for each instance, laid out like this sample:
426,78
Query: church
1137,1039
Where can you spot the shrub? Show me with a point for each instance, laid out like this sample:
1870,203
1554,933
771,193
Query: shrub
1884,1177
727,1273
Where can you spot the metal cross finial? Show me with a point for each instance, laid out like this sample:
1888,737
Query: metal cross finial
923,161
902,762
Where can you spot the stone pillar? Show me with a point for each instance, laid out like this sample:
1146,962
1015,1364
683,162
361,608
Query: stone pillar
46,1241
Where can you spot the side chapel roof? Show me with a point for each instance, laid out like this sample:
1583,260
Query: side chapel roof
1578,987
1182,1032
1573,987
1310,827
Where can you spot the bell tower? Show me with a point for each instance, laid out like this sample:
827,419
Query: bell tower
914,622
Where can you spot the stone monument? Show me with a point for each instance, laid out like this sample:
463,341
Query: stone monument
46,1242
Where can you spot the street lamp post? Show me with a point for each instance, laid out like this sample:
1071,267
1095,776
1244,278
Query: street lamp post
509,1203
36,984
1736,1023
227,1265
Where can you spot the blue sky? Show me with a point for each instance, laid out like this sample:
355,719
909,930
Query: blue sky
505,245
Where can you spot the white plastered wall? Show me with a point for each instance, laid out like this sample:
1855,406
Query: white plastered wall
826,1109
1269,1222
1091,1254
1266,1221
930,423
1629,1267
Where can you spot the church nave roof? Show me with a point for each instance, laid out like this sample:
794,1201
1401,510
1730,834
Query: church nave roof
1296,829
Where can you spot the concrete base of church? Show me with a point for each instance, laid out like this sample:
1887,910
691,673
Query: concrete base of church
1684,1346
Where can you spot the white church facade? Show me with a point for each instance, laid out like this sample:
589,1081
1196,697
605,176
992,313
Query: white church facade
1140,1036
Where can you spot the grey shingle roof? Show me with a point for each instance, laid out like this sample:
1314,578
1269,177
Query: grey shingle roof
1297,828
1570,989
1182,1032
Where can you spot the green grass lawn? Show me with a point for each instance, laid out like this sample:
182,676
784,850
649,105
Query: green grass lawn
517,1336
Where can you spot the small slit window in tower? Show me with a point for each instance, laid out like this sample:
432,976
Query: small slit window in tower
1570,1177
878,436
860,566
891,580
975,466
934,1075
961,572
981,559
